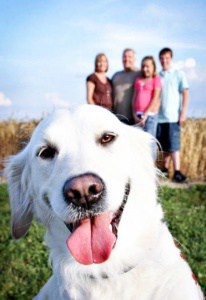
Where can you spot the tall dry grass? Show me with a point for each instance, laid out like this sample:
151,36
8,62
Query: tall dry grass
193,149
14,135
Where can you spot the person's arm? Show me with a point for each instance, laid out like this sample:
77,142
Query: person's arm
155,102
136,119
152,107
185,99
90,92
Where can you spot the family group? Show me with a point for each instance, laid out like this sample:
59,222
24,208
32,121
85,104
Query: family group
157,102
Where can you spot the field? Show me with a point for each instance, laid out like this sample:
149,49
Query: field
14,135
24,264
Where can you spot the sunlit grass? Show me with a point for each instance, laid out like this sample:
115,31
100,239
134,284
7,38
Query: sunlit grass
14,135
24,264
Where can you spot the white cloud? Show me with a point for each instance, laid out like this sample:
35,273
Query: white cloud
56,100
192,74
4,101
188,63
191,69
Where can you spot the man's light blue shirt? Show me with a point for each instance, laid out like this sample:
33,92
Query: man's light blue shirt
173,83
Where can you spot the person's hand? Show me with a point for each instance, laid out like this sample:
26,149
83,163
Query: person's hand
141,120
137,120
182,118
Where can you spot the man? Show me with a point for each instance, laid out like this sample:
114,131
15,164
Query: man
123,82
172,114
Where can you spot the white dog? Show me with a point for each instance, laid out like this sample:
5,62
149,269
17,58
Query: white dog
91,181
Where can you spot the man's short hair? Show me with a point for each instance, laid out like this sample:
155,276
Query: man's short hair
166,50
127,50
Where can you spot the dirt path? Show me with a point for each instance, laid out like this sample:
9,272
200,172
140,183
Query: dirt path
171,184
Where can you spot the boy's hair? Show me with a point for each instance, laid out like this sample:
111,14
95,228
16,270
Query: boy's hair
166,50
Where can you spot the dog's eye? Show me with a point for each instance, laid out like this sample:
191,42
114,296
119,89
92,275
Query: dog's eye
47,152
107,138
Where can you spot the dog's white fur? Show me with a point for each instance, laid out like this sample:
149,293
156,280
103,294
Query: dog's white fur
145,263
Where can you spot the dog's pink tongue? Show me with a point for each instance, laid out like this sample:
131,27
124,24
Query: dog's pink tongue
92,241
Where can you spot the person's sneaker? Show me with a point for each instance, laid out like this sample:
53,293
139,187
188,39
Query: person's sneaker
179,177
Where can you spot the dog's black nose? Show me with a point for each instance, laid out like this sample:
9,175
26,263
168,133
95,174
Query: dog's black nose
83,190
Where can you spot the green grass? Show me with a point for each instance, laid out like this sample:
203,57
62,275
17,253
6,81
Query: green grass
24,264
185,214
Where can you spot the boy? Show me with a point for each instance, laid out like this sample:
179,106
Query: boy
172,114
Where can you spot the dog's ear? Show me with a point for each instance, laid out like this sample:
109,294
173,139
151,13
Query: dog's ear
142,144
144,139
18,175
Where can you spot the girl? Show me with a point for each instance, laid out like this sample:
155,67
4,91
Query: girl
146,99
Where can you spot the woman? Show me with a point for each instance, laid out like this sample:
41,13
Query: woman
146,99
99,87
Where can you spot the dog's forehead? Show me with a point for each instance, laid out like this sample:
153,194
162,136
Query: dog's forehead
85,116
53,123
86,119
96,117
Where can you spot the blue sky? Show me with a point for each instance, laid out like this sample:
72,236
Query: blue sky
47,47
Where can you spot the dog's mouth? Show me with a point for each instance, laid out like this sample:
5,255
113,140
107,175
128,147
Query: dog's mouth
92,239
